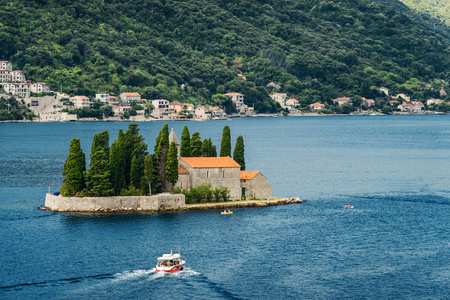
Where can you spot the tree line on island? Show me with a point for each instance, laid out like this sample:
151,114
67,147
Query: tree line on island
127,169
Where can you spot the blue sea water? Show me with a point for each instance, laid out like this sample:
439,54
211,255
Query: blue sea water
394,243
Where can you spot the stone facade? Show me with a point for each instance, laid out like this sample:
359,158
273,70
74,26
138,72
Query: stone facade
255,186
118,203
217,171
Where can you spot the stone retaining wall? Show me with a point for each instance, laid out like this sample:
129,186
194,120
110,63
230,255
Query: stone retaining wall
118,203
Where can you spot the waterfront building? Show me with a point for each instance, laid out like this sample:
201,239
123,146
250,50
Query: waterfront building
341,101
128,97
317,106
280,98
81,101
161,104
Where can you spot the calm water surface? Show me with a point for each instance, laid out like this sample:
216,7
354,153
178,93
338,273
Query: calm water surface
395,243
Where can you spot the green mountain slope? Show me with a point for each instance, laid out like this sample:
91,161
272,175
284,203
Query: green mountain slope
316,49
437,8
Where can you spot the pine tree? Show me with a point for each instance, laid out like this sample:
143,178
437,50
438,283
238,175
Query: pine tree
172,164
98,177
225,147
196,145
185,148
238,153
117,163
148,172
74,169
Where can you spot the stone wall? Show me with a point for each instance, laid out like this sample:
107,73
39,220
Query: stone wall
118,203
257,188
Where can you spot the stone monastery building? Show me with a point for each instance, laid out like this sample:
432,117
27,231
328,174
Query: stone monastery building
221,171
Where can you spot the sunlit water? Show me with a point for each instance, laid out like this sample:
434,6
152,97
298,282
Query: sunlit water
394,243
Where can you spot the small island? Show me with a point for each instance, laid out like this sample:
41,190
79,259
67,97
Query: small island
178,176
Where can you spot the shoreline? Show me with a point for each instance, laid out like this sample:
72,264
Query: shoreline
311,114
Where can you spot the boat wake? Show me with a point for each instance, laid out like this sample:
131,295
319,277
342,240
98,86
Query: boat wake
151,274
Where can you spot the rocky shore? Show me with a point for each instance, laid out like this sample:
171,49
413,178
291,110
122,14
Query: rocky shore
243,203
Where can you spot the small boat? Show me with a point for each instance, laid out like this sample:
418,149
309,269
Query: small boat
170,263
41,208
226,213
348,206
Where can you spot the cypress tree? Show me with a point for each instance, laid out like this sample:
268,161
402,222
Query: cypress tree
185,147
135,178
161,155
172,165
205,148
225,147
212,149
134,146
148,172
74,169
238,153
117,163
98,177
196,145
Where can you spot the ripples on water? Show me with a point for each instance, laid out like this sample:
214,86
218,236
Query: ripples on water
394,243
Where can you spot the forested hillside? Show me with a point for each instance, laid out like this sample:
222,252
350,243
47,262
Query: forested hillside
192,50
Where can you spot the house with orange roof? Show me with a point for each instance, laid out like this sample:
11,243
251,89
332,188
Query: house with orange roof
367,102
433,102
317,106
254,185
128,97
273,85
217,171
342,100
80,101
176,106
280,98
292,102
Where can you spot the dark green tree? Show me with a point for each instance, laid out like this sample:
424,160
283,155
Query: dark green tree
238,153
135,176
117,163
185,147
225,146
148,172
161,155
74,169
196,145
99,175
206,148
134,146
172,165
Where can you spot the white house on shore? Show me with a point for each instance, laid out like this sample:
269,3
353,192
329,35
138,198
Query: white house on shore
317,106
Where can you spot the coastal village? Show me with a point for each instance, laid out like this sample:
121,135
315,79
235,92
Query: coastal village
47,105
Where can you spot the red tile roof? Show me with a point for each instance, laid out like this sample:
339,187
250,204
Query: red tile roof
233,94
248,175
211,162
